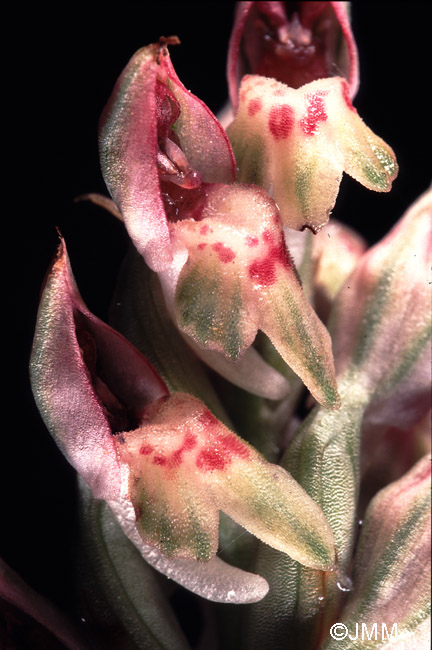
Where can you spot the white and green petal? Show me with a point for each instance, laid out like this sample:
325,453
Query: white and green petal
239,278
185,466
156,137
296,143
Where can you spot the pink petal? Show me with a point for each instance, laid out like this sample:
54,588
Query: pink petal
61,382
149,99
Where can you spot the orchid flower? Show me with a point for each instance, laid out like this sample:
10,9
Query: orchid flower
295,143
230,273
163,455
294,43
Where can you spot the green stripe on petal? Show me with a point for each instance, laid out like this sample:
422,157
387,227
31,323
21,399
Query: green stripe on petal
239,278
301,339
185,466
307,137
212,314
324,458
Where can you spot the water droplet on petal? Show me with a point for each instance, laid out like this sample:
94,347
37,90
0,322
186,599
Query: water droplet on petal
344,583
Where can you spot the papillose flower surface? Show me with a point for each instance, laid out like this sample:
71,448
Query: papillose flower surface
221,434
297,143
227,272
113,417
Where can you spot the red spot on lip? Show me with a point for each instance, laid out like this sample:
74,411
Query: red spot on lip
263,271
233,445
204,229
176,458
281,121
209,459
207,419
225,253
315,112
254,107
202,246
221,450
160,460
189,442
252,241
145,449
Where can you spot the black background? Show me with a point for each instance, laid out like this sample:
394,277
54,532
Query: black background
62,66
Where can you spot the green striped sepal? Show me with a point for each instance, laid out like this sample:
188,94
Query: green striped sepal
391,576
239,278
381,321
154,137
185,466
297,143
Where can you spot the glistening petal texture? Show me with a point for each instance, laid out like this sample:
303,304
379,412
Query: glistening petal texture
63,391
201,137
214,580
324,458
297,143
239,278
185,466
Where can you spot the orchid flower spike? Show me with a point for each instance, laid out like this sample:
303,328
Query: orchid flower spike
162,461
292,42
296,144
